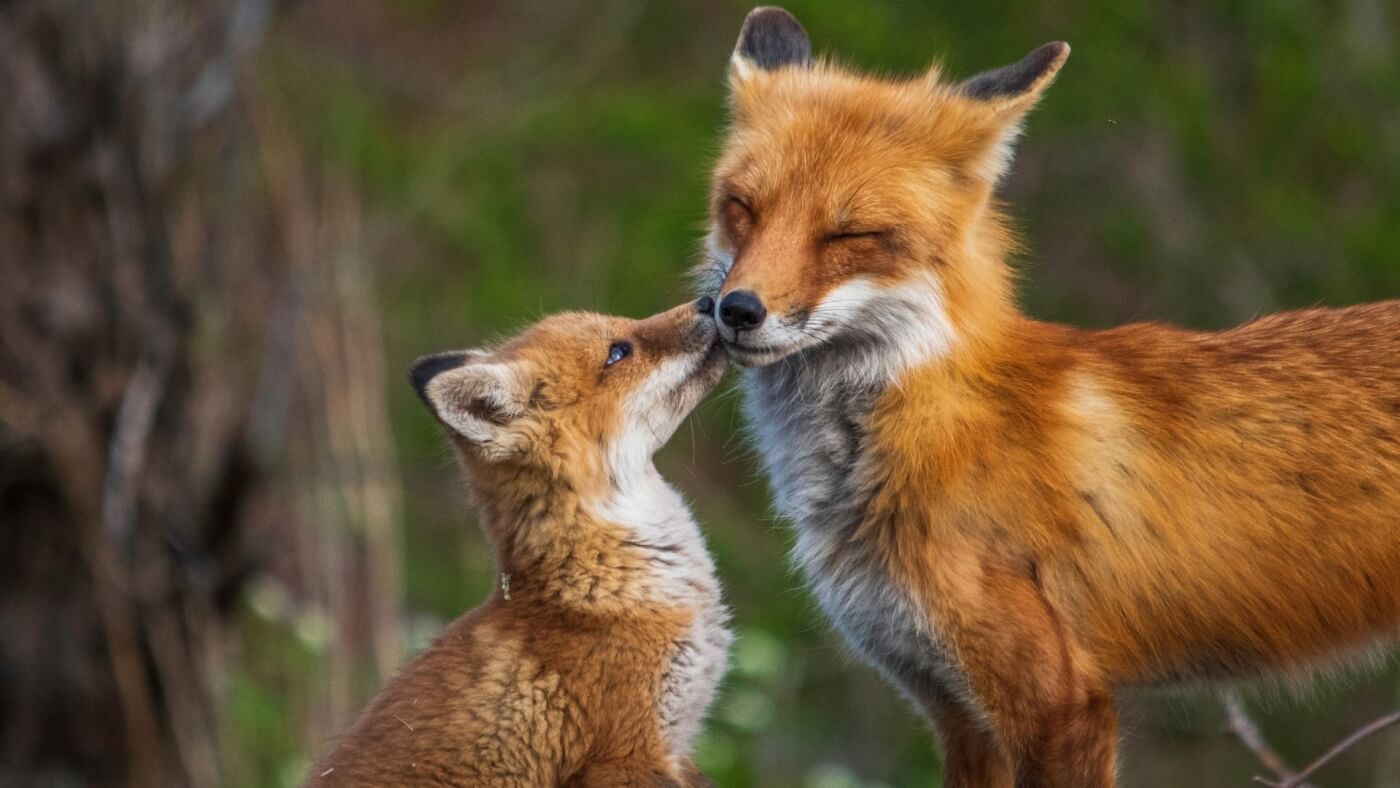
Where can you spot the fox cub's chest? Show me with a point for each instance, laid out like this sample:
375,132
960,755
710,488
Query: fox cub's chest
681,573
692,673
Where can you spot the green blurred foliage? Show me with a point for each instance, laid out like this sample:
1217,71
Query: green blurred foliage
1196,162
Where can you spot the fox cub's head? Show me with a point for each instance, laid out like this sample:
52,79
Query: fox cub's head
577,393
852,209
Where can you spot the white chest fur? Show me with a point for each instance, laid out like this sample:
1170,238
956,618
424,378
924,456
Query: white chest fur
680,574
691,679
808,422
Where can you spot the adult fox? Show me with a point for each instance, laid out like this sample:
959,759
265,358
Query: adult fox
1013,519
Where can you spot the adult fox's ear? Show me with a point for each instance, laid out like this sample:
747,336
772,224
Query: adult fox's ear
770,39
478,399
1008,93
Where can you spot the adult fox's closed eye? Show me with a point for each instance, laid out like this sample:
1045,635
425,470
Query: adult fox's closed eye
1012,519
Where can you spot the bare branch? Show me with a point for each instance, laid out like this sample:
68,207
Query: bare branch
127,454
1247,731
1356,736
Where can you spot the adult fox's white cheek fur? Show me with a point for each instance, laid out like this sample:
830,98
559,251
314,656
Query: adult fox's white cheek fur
893,326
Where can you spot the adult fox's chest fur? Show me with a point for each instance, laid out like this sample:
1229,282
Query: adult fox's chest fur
808,418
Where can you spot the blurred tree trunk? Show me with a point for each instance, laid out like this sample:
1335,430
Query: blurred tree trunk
341,468
149,356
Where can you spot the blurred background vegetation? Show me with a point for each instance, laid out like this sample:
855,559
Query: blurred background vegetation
228,227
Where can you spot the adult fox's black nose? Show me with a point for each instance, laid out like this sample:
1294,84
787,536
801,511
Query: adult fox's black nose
742,311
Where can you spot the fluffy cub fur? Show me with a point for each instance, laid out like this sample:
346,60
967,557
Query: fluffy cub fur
595,659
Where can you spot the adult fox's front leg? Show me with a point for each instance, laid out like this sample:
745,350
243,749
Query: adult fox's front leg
972,755
1054,718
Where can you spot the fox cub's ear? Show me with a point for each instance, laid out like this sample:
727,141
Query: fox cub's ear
770,39
478,399
1008,93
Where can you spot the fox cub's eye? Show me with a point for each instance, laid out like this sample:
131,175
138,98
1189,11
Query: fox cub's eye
618,352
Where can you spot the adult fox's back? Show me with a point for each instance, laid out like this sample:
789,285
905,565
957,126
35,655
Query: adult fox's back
1205,505
1012,519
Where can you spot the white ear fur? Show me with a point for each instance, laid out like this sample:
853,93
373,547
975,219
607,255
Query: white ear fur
995,162
740,69
1009,93
479,401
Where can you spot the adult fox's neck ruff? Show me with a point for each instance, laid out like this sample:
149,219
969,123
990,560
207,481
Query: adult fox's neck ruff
1012,519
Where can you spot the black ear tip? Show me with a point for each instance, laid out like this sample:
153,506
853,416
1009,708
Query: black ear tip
429,367
772,15
1020,76
771,38
1054,51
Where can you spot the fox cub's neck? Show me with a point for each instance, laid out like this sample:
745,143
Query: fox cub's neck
625,550
630,541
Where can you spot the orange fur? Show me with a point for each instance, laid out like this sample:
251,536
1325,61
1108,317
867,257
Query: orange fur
1066,512
563,676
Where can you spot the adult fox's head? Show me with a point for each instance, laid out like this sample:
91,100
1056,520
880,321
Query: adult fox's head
856,210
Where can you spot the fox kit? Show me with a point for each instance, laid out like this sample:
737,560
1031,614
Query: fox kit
594,660
1012,519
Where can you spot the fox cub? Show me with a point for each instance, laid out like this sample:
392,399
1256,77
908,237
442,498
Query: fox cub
1012,519
593,662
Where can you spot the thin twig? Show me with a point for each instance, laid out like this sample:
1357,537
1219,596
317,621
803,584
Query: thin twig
131,436
1247,731
1356,736
1387,773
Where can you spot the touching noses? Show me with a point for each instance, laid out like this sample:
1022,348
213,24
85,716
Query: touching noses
741,310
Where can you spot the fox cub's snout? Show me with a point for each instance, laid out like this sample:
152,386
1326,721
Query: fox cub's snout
575,384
